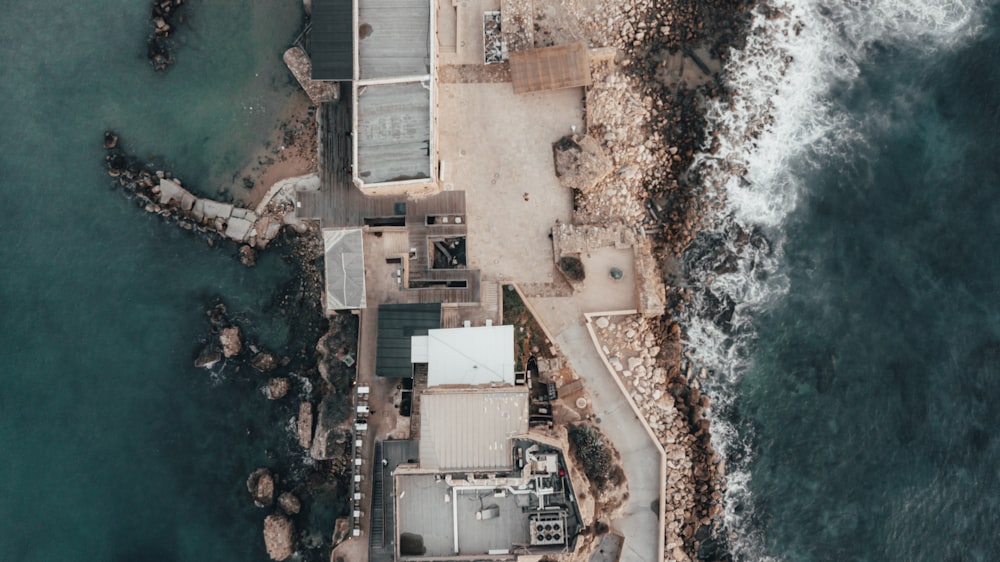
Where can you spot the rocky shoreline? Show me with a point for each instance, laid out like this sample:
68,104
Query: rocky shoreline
647,110
308,475
307,381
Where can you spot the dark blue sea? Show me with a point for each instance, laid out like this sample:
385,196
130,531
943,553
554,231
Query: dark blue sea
113,447
856,347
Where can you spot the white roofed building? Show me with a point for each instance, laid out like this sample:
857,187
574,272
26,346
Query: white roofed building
483,355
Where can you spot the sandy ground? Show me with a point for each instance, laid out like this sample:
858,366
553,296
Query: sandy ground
290,151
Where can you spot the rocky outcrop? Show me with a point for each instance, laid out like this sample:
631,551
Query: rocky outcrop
304,425
277,387
331,437
279,536
260,484
231,342
319,91
288,503
580,162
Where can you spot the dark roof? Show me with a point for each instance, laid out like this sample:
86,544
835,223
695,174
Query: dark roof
331,40
397,323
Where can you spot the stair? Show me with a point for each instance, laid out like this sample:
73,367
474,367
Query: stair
491,296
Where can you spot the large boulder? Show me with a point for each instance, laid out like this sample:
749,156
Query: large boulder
260,484
580,162
231,342
279,536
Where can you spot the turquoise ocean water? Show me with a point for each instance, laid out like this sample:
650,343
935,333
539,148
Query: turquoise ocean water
112,445
856,343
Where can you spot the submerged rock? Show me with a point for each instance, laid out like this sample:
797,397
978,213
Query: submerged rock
289,503
279,536
264,362
248,256
260,484
209,356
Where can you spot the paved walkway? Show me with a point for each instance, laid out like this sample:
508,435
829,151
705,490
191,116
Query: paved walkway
639,455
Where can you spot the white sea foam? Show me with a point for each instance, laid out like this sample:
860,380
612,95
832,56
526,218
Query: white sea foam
778,123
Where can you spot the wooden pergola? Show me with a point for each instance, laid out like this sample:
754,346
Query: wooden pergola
550,68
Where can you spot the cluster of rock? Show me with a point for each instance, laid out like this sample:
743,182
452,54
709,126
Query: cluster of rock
652,32
228,345
164,18
676,411
280,538
158,192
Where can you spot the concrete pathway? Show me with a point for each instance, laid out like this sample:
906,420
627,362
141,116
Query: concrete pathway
639,455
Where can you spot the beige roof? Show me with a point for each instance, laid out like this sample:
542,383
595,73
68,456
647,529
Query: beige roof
471,429
550,68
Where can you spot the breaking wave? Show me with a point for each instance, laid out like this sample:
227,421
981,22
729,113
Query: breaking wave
778,123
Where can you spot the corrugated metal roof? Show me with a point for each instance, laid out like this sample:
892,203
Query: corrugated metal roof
471,429
550,68
345,268
397,324
470,356
331,40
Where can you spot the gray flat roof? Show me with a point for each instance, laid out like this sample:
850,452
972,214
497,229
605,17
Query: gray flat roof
423,510
481,536
394,132
471,429
394,38
331,41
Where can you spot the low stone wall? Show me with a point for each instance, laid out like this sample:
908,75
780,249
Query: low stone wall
573,240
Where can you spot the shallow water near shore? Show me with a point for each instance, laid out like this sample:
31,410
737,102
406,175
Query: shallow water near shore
112,445
858,374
